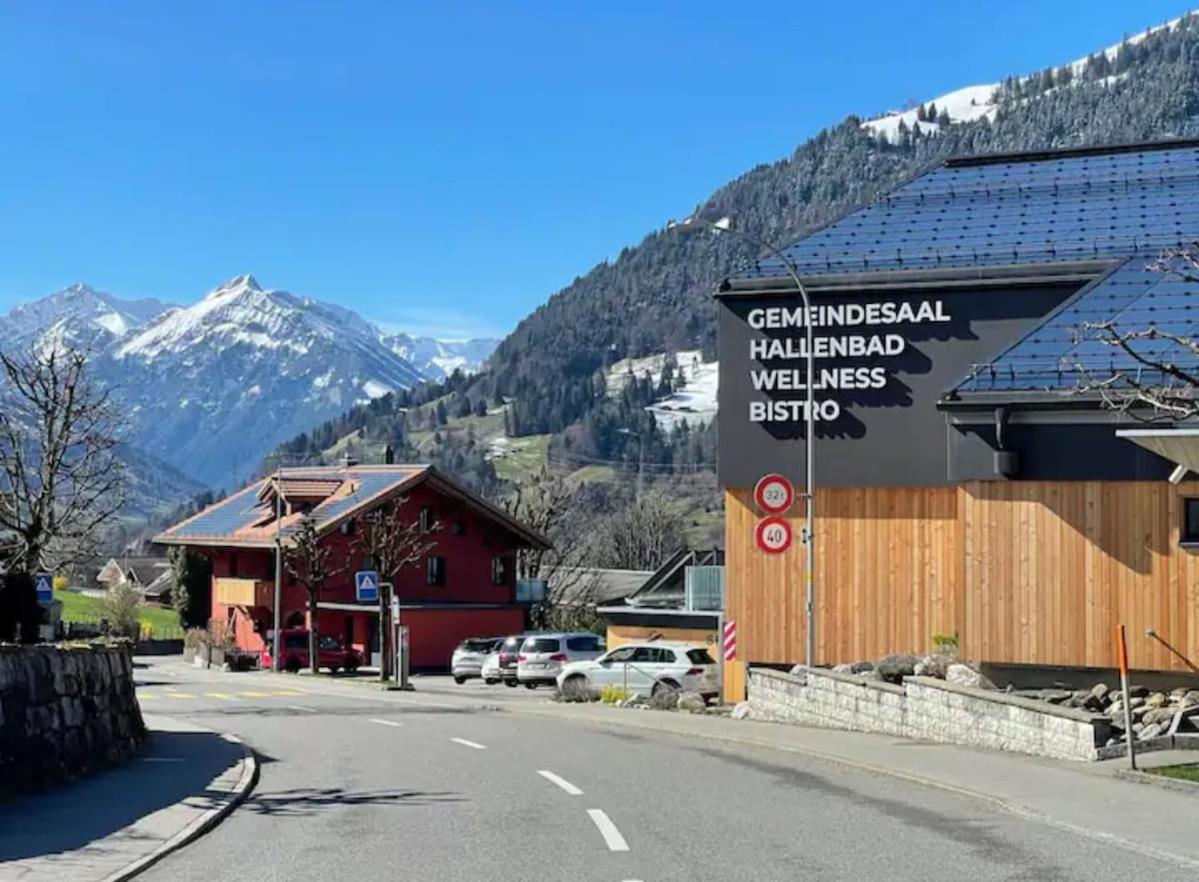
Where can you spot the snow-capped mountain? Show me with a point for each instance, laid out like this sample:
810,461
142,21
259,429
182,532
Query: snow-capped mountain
79,314
440,358
210,388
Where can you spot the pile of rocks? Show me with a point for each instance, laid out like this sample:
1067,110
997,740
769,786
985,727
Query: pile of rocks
893,668
1153,713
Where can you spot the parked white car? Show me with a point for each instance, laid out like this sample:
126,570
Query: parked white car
543,655
467,660
645,669
491,672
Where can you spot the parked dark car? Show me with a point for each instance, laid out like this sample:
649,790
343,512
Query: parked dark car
509,650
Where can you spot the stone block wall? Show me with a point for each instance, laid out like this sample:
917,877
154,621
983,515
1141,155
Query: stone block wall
64,710
927,709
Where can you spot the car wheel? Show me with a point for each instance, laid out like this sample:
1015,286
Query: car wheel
576,688
333,669
459,680
491,681
292,665
664,686
351,667
510,683
530,685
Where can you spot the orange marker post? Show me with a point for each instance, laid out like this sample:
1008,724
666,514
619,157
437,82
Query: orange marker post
1130,738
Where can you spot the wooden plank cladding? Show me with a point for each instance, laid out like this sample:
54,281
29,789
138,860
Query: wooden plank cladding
1052,568
888,577
1036,572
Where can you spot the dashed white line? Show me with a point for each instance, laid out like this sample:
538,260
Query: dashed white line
387,722
300,707
466,743
560,781
612,837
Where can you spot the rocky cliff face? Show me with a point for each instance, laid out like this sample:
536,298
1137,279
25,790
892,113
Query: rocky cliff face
64,711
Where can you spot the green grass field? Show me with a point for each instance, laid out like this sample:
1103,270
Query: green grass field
77,607
1187,772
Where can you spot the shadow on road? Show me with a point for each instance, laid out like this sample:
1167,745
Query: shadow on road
173,766
308,801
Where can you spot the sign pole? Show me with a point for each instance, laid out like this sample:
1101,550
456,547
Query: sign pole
276,652
1129,736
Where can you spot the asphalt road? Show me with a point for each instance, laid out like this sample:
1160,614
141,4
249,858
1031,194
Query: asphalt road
358,784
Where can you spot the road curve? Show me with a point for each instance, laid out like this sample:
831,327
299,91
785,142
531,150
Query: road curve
357,784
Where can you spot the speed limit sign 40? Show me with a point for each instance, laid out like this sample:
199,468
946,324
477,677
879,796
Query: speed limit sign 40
773,535
774,494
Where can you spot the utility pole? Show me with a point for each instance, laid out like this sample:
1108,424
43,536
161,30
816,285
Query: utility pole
276,646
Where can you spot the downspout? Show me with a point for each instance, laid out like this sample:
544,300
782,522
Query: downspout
1007,462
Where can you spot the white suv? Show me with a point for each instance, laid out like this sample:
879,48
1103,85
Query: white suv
543,655
645,669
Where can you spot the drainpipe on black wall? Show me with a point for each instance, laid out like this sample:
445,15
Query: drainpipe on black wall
1007,462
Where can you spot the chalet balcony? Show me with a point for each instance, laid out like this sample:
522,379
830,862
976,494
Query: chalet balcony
244,592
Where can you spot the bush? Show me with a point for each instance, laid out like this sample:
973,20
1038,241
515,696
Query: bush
613,693
119,607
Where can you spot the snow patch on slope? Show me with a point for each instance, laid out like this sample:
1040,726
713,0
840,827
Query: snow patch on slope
695,381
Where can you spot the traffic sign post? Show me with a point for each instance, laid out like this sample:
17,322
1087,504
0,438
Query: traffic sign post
43,583
773,535
774,494
366,586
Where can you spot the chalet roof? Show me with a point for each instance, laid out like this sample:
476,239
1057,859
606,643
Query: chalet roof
247,518
1090,206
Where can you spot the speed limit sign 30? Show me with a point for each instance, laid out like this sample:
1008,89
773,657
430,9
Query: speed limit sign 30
773,535
774,494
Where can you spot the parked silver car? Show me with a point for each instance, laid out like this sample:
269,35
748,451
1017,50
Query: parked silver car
542,656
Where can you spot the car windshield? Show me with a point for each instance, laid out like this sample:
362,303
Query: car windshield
475,646
540,644
330,643
295,641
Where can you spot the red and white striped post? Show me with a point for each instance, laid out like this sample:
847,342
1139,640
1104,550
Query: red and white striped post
729,641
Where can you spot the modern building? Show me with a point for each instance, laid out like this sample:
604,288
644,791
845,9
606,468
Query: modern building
464,586
973,478
678,601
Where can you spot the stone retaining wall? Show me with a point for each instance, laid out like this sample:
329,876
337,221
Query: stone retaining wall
927,709
64,710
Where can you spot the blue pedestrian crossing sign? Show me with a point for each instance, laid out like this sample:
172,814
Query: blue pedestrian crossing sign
366,583
44,584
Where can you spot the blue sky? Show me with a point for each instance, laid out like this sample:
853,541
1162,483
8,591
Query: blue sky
442,167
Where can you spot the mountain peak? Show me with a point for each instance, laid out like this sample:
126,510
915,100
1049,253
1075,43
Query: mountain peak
236,285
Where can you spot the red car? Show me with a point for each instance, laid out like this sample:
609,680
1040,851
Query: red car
330,654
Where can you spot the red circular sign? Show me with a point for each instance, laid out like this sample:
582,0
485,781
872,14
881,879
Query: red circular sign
774,494
773,535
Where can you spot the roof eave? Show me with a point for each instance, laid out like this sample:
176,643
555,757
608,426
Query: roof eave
1007,275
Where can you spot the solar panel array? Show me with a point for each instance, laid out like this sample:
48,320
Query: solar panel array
1022,211
1156,299
244,510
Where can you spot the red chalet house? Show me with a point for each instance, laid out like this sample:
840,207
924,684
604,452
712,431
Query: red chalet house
465,587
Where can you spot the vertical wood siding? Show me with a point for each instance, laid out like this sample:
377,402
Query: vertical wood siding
1035,572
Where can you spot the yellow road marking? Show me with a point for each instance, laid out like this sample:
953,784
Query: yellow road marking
225,696
142,696
180,695
255,694
287,692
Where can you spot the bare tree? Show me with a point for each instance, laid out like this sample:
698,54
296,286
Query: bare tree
392,544
548,505
61,481
641,534
1152,375
308,560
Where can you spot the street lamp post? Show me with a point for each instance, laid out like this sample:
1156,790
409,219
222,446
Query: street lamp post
725,226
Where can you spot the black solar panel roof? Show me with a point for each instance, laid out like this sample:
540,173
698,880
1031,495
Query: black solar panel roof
1045,208
1067,351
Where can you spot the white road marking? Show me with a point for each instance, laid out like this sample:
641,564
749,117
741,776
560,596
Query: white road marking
608,830
466,743
300,707
560,781
386,722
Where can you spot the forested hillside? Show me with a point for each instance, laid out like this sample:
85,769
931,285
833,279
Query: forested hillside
656,296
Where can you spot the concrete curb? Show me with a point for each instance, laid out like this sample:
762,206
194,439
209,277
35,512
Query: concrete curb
1178,785
234,797
1005,805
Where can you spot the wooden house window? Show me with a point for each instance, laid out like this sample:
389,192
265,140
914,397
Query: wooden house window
1190,521
499,570
436,571
426,519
